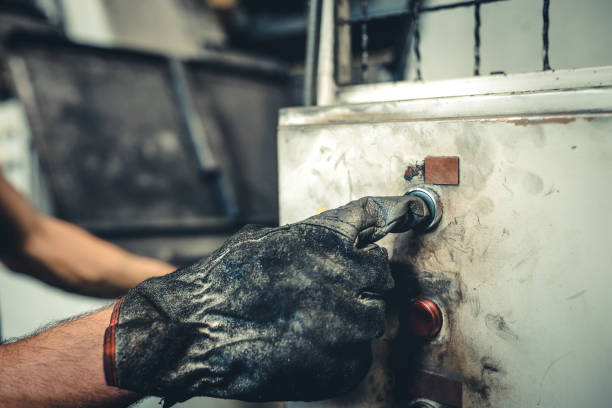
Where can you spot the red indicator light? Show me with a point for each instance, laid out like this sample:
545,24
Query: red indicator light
424,318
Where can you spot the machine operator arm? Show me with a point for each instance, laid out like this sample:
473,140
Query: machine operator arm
64,255
283,313
60,367
275,314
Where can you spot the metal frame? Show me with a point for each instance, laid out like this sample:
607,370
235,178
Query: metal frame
198,130
312,46
482,85
331,71
539,94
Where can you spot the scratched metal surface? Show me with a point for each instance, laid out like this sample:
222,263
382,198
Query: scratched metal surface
522,250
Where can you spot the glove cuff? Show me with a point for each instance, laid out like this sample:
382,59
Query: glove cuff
110,365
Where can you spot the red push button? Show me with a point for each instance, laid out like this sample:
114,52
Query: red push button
424,318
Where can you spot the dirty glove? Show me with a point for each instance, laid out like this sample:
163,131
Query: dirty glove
283,313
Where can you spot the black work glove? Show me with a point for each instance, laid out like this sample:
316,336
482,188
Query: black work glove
283,313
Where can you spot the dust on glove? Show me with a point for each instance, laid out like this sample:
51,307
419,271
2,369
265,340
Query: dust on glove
275,314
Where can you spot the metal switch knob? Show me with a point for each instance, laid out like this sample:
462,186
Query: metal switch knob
433,203
424,318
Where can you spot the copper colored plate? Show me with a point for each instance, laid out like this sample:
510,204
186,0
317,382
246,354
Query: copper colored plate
442,170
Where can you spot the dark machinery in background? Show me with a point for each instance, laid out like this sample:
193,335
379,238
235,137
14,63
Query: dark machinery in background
379,32
166,157
136,144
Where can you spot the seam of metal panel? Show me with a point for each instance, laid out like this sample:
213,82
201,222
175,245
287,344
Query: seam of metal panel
516,119
589,101
482,85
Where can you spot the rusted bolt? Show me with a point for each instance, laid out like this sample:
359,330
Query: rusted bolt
424,318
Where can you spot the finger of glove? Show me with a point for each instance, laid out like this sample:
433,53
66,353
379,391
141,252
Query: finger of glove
370,270
369,219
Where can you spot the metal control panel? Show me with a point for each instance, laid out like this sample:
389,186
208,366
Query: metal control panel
511,289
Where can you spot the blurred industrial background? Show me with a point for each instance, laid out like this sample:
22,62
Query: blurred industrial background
153,123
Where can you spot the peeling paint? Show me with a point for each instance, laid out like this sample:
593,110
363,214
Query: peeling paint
540,121
413,171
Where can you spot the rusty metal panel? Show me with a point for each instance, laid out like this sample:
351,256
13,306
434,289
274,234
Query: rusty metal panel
519,263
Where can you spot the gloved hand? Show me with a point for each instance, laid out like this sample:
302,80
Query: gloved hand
283,313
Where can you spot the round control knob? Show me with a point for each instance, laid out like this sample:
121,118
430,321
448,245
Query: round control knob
433,202
423,403
424,318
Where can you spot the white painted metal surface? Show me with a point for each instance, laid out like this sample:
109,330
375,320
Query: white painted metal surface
481,85
525,236
486,107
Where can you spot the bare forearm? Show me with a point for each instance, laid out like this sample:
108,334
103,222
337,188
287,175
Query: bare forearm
64,255
69,257
60,367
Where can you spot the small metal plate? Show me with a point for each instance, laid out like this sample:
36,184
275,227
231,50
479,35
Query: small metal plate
442,170
436,388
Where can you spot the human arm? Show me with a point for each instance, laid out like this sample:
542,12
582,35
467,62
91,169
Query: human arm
283,313
60,367
275,314
64,255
